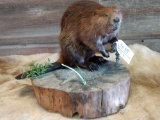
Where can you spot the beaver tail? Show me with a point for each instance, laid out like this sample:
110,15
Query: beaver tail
54,66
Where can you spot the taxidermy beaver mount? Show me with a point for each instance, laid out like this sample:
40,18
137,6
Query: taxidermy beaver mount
86,27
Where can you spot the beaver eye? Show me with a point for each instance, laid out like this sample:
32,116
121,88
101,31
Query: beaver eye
106,15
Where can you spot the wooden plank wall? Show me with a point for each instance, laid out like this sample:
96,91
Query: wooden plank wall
32,26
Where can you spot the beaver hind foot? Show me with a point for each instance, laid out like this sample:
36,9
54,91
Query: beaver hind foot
98,60
89,66
92,63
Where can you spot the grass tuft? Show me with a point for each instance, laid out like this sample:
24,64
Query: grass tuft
36,70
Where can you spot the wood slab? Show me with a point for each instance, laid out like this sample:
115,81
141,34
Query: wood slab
106,92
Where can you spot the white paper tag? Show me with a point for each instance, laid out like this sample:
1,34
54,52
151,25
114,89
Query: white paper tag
124,51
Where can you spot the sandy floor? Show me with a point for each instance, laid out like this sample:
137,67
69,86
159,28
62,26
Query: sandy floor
17,100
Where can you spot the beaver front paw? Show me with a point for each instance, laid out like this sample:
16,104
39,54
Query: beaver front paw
113,47
105,54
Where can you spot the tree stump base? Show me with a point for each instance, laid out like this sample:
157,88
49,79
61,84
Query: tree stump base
106,92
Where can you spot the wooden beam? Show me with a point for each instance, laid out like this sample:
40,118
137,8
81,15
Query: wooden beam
28,49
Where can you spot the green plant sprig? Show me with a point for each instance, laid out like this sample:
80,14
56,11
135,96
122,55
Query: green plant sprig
36,70
83,80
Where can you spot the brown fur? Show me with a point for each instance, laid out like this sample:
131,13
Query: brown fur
85,27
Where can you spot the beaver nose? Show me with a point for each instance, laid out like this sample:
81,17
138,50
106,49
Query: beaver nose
116,20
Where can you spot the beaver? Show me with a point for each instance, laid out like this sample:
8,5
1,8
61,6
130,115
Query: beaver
86,26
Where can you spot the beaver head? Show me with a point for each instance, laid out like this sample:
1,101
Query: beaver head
108,19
